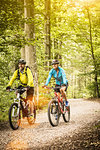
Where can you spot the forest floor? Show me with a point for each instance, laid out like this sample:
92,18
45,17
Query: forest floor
81,133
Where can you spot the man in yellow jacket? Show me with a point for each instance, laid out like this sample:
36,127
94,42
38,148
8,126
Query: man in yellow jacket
25,77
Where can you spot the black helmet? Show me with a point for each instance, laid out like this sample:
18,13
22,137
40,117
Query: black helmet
55,62
22,61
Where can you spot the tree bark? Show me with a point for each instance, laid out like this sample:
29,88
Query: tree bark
93,56
30,49
47,34
21,2
57,43
23,53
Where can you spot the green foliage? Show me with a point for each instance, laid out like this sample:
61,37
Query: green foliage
91,89
11,40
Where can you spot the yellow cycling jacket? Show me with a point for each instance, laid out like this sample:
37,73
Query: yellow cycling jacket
25,79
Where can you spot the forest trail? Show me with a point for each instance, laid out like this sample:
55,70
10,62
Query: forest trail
42,134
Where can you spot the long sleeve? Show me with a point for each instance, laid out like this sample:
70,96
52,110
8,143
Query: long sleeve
49,77
65,81
13,78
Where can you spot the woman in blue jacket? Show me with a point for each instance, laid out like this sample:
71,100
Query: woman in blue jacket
60,77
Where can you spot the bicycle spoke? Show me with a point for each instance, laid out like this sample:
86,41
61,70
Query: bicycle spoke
14,116
66,115
53,113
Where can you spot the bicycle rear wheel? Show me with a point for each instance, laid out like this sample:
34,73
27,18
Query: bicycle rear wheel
66,115
14,116
53,113
31,119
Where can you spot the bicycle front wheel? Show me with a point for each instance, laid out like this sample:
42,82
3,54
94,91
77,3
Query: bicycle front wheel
66,115
14,116
53,113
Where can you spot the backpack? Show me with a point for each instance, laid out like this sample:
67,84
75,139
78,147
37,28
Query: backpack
18,73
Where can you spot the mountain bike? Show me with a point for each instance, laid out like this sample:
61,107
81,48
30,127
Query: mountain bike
56,107
20,109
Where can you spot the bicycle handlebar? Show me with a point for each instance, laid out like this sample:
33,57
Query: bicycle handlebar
12,90
18,90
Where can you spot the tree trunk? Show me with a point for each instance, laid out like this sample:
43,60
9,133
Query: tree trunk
30,49
93,57
57,43
23,53
47,33
21,2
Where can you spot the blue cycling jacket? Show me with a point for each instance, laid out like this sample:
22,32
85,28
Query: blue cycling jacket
60,79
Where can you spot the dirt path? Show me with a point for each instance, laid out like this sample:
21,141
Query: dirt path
42,134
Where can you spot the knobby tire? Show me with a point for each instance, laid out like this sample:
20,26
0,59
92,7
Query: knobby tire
66,115
18,121
53,103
